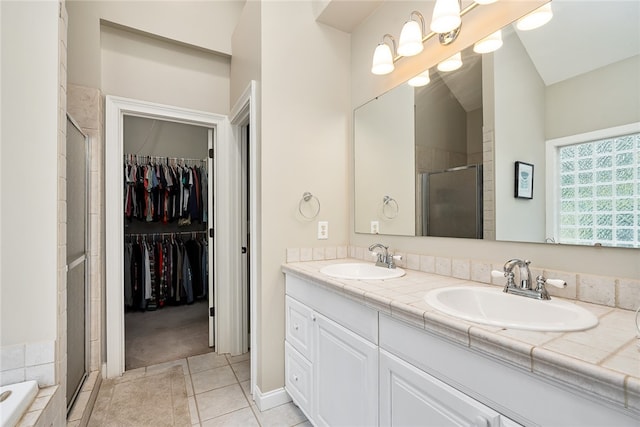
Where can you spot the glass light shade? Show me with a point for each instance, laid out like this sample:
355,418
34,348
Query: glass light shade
421,79
490,43
382,60
410,39
451,64
446,16
485,1
535,19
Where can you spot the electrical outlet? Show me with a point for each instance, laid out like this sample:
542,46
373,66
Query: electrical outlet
375,227
323,230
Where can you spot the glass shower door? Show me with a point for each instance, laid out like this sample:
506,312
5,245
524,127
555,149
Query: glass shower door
77,267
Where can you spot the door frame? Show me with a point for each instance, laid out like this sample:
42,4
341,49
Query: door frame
243,113
115,110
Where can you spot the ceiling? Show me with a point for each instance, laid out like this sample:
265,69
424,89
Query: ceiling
582,36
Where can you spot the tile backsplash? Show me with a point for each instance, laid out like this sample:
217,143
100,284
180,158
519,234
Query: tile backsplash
617,292
24,362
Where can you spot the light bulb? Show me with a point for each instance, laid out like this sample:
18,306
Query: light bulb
382,60
490,43
446,16
451,64
421,79
410,39
535,19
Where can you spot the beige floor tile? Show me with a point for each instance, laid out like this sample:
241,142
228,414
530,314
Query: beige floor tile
212,379
193,411
242,370
283,415
243,417
214,403
204,362
239,358
166,366
246,388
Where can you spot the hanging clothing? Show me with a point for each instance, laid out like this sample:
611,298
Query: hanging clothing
169,270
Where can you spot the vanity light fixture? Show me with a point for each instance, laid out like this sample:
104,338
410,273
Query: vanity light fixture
421,79
383,56
535,19
489,44
410,43
446,16
452,63
483,2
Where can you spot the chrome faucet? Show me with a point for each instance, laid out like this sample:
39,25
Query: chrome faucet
525,287
384,258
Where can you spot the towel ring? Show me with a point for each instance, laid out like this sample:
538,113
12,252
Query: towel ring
308,198
389,202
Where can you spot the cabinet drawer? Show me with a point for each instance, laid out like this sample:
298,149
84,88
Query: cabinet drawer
299,327
298,379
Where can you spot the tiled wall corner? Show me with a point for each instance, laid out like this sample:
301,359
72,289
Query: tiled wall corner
597,289
628,294
608,291
461,269
316,254
30,361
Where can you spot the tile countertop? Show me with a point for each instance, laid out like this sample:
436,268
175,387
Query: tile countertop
604,361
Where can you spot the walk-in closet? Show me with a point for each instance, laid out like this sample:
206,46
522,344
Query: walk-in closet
166,267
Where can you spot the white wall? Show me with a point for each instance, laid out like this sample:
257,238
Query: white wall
519,125
203,24
145,68
29,176
384,138
304,136
603,98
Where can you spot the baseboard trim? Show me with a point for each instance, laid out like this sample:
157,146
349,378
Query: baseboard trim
270,399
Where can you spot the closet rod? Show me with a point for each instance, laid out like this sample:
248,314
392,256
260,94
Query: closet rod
151,233
139,158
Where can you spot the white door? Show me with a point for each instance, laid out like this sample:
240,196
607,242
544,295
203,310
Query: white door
411,397
212,238
345,368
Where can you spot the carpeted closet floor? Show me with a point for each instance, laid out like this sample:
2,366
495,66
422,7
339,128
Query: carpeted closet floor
170,333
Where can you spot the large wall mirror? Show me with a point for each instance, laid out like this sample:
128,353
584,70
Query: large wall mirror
538,141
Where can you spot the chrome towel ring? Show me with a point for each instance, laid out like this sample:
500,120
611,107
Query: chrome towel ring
306,206
390,207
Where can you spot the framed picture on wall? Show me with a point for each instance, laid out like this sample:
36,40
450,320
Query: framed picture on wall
524,181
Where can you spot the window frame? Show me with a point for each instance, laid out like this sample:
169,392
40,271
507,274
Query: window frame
552,149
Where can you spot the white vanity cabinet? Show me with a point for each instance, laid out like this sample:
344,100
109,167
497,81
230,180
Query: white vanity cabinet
411,397
346,364
331,356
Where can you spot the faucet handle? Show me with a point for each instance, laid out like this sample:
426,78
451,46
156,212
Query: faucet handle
553,282
498,274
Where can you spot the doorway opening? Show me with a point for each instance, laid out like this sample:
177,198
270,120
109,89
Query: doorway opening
166,242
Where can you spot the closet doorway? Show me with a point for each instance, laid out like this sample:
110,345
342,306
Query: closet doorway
166,242
218,232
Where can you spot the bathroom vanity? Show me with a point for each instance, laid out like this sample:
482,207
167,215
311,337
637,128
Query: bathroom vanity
372,353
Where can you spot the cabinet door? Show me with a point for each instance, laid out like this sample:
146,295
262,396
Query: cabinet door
298,378
411,397
346,377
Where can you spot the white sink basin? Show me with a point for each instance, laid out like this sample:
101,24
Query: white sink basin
493,307
361,271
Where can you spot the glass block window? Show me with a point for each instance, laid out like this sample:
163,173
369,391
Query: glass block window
600,192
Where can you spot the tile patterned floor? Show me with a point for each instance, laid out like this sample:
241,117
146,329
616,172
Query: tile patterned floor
218,393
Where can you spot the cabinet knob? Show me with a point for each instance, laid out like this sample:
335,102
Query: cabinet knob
313,317
296,327
480,421
295,378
